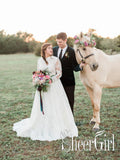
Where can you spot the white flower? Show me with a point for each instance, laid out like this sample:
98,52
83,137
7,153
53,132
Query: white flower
42,81
87,38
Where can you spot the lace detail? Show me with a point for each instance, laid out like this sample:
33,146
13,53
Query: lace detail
58,70
41,65
38,65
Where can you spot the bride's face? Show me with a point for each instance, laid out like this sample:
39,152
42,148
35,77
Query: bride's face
49,51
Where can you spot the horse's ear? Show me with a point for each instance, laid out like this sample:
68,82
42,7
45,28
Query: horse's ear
81,35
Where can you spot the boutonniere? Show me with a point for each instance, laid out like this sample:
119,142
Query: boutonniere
67,55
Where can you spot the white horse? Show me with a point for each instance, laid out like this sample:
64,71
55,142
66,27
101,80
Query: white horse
99,71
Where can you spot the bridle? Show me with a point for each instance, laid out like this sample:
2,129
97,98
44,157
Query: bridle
84,58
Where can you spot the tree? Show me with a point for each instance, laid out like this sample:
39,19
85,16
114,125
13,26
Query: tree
37,50
70,41
91,30
52,40
27,37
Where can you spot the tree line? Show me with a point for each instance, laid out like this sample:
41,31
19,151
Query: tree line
19,42
24,42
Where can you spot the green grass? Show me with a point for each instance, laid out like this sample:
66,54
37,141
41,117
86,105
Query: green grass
16,98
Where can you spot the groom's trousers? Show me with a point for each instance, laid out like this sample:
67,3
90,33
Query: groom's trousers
70,94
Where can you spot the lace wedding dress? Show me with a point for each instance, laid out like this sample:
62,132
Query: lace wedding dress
57,122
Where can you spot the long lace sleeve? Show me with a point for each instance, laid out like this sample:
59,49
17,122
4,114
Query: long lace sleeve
38,65
41,65
58,70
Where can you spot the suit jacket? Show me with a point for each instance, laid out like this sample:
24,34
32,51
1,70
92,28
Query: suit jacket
69,63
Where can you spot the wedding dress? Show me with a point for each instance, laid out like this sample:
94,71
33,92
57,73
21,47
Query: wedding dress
57,122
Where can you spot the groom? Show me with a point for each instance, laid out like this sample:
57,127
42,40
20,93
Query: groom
67,57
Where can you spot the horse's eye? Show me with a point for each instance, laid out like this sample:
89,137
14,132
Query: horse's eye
84,49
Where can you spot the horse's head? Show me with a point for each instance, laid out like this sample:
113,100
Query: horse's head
85,53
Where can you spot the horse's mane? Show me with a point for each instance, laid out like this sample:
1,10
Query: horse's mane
100,52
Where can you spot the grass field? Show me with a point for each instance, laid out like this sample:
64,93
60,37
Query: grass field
16,98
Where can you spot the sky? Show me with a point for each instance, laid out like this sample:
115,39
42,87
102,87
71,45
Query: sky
44,18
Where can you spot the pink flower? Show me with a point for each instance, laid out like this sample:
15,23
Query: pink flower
94,43
50,81
47,77
76,41
41,75
85,43
34,76
75,37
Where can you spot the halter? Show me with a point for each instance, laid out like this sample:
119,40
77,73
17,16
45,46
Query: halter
84,58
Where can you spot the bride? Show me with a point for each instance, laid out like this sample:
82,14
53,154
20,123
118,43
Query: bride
57,122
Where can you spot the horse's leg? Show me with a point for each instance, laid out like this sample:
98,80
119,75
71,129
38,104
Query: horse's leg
90,92
96,100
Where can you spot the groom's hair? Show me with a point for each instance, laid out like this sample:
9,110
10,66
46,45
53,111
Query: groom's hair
62,35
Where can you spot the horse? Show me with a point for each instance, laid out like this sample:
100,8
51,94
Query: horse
99,71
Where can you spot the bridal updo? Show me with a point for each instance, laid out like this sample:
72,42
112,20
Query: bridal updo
43,48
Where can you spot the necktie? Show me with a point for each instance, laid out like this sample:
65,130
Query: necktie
60,56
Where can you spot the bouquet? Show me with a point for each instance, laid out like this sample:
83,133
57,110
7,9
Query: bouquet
41,81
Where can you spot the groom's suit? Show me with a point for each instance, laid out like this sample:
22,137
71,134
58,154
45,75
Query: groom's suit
69,64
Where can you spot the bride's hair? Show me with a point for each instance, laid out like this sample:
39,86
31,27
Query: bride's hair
43,48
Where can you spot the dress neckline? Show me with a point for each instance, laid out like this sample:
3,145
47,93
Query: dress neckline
49,57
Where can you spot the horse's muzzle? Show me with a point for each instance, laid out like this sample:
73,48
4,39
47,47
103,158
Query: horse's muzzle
94,66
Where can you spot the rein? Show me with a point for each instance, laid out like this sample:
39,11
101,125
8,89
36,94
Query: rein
84,58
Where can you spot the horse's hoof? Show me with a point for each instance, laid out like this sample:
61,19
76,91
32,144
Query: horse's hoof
95,129
92,122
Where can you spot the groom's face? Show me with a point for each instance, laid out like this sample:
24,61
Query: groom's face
61,43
